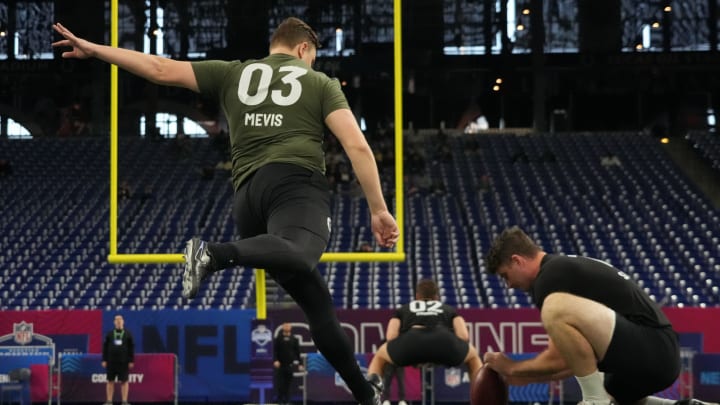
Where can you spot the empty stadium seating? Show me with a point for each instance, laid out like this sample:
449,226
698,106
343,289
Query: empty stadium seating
707,145
641,215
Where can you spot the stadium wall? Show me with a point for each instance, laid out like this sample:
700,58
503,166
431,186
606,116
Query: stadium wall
213,346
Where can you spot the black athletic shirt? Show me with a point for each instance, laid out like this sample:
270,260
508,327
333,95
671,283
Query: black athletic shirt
598,281
119,347
429,314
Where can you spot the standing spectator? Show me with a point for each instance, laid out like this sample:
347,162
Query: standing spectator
124,191
286,355
118,358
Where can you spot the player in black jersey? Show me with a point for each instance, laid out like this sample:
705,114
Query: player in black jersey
603,328
426,331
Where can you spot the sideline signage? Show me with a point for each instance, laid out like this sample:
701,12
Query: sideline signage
83,379
23,348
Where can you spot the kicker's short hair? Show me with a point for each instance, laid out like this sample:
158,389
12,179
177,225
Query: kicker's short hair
293,31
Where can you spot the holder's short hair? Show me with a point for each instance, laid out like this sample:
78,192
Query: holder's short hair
512,241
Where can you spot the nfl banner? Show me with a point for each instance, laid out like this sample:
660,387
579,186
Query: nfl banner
24,348
22,333
38,364
24,342
69,330
324,383
452,384
152,379
453,377
707,376
261,360
212,348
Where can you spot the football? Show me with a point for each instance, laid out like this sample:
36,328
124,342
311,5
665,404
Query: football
488,388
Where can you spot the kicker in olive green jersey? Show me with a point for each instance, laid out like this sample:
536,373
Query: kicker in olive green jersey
275,108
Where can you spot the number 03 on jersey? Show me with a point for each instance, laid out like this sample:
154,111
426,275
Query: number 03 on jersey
260,76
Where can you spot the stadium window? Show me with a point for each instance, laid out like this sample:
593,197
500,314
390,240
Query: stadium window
30,42
512,21
154,30
646,30
3,42
463,27
27,41
167,125
335,21
3,30
711,119
464,32
14,129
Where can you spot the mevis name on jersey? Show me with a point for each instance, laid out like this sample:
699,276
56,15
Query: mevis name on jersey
263,120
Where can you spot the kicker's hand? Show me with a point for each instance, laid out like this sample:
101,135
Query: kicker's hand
385,229
81,49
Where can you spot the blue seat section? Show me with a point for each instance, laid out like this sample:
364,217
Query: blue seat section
638,212
707,145
641,215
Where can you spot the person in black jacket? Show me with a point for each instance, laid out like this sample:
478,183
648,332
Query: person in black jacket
286,354
117,358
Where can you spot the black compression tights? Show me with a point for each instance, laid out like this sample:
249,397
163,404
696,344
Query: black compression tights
289,250
297,251
311,294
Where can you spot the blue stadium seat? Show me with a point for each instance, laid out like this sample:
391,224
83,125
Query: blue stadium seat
644,216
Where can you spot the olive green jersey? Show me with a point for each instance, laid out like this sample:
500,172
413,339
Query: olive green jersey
275,107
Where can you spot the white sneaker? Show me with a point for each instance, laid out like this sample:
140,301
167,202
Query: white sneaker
402,402
386,402
693,401
197,266
377,386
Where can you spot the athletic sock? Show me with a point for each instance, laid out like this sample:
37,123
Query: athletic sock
222,256
653,400
592,387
